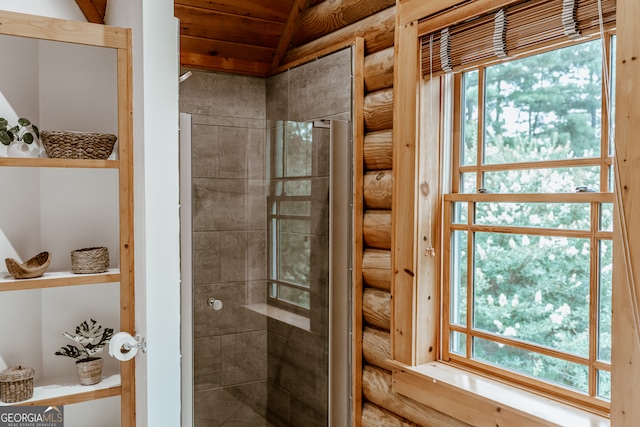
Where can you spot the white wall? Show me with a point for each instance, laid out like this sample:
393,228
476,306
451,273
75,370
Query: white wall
157,243
65,9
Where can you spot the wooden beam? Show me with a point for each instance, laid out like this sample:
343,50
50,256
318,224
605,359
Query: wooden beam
378,110
374,416
377,189
625,364
376,308
377,31
412,10
93,10
378,150
378,70
62,30
377,384
377,229
330,16
377,348
403,258
376,268
358,241
126,203
285,39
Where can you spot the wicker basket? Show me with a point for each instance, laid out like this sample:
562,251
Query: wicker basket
89,371
77,145
16,384
90,260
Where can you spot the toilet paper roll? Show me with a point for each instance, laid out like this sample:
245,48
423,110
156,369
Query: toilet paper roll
117,346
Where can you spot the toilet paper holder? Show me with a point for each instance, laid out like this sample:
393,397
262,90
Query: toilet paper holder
141,344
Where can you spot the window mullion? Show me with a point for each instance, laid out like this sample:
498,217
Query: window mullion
481,112
458,138
446,297
594,298
470,278
605,125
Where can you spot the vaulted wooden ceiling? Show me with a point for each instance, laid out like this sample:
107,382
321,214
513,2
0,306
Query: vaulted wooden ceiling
238,36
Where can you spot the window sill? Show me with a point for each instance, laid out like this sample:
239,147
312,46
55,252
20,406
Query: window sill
281,315
481,401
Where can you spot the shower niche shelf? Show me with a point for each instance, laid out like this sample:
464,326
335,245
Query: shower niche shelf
83,79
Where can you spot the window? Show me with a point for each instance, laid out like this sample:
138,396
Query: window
289,215
528,224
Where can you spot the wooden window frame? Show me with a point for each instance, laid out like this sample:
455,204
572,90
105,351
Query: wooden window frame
417,372
594,234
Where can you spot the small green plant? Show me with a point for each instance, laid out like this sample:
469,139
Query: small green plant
24,131
92,339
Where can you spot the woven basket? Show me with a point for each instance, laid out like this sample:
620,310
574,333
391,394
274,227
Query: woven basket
90,260
16,384
77,145
89,371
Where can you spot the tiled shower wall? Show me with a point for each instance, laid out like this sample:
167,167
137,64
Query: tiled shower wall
229,246
248,368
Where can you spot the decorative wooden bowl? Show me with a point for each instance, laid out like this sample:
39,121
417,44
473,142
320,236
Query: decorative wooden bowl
35,267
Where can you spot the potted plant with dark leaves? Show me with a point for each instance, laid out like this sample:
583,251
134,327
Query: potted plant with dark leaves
91,338
22,139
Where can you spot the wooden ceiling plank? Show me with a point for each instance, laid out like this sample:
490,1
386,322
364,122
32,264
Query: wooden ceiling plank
91,10
233,28
224,49
272,10
285,39
231,65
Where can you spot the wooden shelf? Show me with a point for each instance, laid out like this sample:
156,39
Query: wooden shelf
115,48
59,163
69,391
58,279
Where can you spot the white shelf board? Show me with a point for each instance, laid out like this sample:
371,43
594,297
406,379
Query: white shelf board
58,278
6,277
67,387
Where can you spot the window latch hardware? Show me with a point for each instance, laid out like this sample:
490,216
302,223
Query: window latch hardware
483,190
584,190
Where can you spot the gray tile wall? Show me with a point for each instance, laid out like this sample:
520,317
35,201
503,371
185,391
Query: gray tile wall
248,367
297,365
229,246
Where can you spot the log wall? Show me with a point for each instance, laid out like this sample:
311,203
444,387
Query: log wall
325,24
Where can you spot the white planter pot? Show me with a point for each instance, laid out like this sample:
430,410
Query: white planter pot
21,149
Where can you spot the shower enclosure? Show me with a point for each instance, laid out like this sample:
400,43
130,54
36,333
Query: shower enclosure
266,246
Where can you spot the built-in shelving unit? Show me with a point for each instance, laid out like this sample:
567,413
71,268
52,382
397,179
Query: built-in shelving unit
53,295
